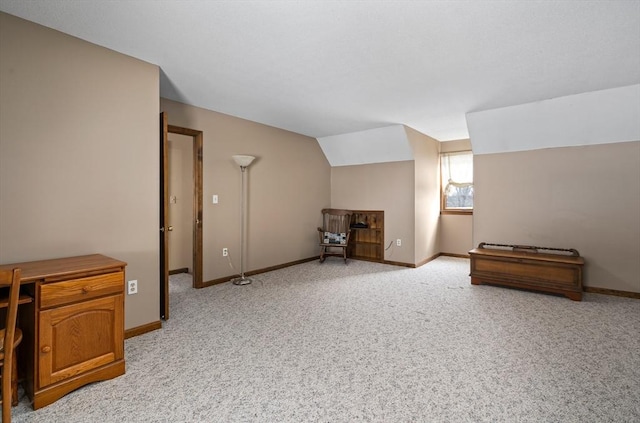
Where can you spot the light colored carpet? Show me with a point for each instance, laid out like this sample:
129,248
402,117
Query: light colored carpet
369,342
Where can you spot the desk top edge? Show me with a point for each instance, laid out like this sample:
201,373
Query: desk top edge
42,269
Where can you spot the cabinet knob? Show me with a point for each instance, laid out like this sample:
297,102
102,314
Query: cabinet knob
85,290
46,349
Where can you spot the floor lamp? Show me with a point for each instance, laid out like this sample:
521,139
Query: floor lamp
244,162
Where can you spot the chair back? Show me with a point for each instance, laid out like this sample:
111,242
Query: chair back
9,279
336,220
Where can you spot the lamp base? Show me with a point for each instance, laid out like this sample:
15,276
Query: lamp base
242,281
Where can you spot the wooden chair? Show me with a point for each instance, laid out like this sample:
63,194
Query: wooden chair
334,233
10,337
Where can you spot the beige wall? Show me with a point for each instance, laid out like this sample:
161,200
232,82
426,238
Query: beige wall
455,145
456,234
456,230
288,185
79,166
381,186
181,201
427,195
409,194
576,197
79,155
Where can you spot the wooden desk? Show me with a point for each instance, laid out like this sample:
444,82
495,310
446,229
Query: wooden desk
73,331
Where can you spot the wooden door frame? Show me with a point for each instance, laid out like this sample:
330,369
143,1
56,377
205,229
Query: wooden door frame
166,129
164,207
197,199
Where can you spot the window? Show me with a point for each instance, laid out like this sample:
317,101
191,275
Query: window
457,181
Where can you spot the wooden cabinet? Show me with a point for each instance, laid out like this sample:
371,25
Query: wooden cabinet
79,337
526,267
367,235
74,330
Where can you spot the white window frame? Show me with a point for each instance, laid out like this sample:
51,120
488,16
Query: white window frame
462,180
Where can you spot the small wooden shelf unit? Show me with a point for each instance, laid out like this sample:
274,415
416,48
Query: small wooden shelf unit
367,243
525,267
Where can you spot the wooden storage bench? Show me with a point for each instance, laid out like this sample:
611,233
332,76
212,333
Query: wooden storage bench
552,270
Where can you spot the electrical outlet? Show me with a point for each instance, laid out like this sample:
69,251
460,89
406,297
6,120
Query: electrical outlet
225,252
132,287
399,242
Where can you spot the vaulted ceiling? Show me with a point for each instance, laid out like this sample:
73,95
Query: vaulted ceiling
323,68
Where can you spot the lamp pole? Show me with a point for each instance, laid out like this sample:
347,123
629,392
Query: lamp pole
243,162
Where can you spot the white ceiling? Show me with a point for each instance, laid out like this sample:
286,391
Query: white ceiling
324,68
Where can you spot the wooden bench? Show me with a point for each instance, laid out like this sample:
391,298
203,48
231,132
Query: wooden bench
554,270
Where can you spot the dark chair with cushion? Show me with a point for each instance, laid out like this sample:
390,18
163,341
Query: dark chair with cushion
334,233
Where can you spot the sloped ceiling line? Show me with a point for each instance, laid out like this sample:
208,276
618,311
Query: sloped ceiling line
322,68
380,145
598,117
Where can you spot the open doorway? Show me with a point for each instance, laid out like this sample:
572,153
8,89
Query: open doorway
196,210
180,204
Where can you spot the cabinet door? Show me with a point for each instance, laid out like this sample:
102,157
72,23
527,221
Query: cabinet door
80,337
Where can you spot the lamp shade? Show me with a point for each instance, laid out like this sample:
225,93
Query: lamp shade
242,160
